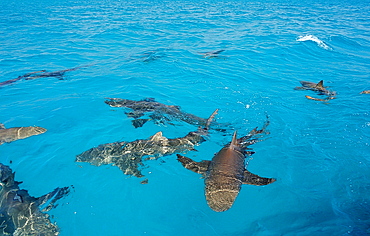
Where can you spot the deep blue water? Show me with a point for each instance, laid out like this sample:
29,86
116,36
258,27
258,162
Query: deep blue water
317,151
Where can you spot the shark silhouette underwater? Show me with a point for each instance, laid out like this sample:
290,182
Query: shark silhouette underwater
128,156
212,54
41,74
159,112
15,133
20,213
319,88
226,172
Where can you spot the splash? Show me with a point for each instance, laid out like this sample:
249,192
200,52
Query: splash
314,39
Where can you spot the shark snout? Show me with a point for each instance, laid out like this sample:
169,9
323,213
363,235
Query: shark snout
39,130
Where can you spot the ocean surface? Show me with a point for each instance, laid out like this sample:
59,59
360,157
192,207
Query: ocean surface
319,151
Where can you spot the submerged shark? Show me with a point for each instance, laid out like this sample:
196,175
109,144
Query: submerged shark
20,213
151,55
41,74
211,54
226,172
13,134
159,112
319,88
128,156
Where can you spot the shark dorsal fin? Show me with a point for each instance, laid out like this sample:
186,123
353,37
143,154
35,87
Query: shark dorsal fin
2,126
234,141
158,137
320,84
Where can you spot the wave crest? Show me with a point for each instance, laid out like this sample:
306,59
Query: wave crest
314,39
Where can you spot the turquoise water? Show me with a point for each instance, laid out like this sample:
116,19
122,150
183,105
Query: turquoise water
317,151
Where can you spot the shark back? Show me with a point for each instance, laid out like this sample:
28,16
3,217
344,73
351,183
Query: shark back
226,172
224,177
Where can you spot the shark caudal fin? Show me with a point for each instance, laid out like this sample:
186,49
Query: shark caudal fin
210,119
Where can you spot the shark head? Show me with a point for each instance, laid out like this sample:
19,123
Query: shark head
25,132
118,102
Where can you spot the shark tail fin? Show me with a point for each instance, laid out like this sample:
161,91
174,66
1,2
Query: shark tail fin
210,119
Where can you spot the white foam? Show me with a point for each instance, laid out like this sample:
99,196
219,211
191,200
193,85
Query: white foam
314,39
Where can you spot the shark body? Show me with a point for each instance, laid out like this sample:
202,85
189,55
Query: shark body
128,156
20,213
212,54
319,88
226,172
41,74
159,112
13,134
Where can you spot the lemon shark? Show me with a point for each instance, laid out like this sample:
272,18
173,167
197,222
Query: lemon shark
317,87
212,54
159,112
22,214
41,74
129,156
226,172
13,134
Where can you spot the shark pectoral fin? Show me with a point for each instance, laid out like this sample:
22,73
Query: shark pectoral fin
210,119
197,167
253,179
139,122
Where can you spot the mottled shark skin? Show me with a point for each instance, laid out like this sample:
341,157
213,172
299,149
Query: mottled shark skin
226,172
319,88
128,156
159,112
41,74
13,134
20,213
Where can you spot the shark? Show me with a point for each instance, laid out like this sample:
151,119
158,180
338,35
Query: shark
317,87
129,156
22,214
212,54
150,56
226,172
41,74
20,77
16,133
159,112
